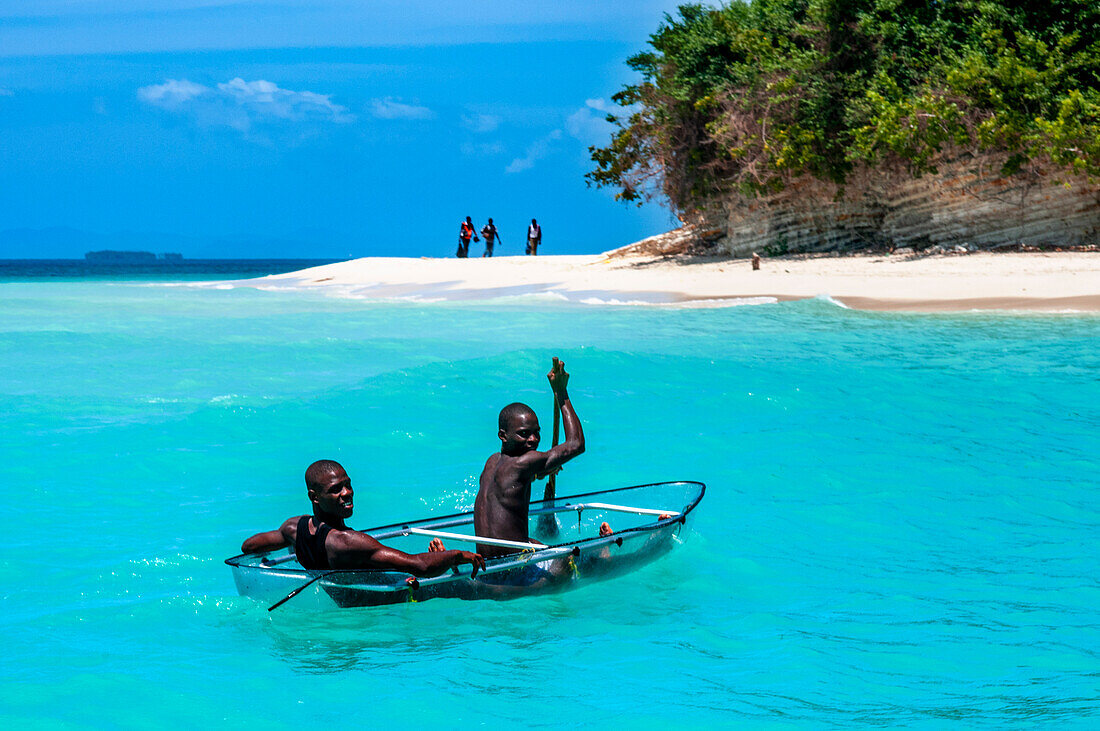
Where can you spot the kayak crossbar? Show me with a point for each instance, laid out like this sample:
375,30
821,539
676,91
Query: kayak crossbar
578,507
475,539
397,531
605,506
278,560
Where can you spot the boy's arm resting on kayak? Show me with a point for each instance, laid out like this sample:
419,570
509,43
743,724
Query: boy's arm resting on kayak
356,550
273,539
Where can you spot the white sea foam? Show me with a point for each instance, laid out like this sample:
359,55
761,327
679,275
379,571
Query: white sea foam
832,301
723,302
549,294
711,303
616,302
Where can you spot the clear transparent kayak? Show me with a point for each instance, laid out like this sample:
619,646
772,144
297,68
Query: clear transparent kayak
647,521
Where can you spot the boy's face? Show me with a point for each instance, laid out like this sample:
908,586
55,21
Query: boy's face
521,434
333,494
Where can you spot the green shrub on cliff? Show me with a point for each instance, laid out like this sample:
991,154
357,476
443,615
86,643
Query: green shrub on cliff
749,96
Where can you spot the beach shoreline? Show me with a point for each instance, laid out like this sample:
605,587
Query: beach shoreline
1018,281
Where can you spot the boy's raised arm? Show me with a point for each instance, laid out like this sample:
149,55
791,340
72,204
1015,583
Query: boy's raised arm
573,445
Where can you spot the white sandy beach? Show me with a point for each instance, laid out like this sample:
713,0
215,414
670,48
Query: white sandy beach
1067,281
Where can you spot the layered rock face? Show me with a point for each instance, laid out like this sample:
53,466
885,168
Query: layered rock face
956,206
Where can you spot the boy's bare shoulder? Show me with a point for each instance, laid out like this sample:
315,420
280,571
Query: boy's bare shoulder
525,465
344,540
289,528
507,468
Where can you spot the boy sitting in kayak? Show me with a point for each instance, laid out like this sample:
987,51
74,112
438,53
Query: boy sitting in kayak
504,496
324,541
501,509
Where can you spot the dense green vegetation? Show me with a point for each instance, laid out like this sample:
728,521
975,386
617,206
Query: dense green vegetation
749,96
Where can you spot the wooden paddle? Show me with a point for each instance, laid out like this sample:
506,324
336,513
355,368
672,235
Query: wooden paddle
548,522
297,591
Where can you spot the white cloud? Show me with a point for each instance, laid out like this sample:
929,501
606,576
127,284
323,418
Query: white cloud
589,123
602,105
480,123
240,104
265,98
538,150
390,108
172,93
482,149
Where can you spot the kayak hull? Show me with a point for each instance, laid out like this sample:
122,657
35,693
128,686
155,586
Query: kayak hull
575,554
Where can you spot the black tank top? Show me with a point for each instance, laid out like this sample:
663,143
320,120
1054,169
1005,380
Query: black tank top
310,549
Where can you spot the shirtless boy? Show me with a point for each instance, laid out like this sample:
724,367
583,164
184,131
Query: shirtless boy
324,541
504,497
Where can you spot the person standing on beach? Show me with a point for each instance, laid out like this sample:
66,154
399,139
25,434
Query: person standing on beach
324,541
465,231
491,236
534,238
504,495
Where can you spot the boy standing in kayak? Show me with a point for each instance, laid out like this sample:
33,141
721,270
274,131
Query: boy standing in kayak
324,541
504,496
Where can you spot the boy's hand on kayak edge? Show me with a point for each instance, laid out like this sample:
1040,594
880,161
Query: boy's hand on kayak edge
477,563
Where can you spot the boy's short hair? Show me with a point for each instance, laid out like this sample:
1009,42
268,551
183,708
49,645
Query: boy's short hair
511,411
318,470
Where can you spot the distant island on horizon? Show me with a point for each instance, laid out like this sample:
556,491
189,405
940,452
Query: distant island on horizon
109,256
62,242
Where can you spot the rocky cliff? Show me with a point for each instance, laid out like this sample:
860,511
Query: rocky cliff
963,204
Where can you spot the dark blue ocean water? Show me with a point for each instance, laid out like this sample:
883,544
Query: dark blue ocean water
186,269
902,523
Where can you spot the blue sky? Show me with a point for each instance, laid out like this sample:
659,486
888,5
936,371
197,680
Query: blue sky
327,128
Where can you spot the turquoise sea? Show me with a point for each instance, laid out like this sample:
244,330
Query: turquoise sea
901,529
